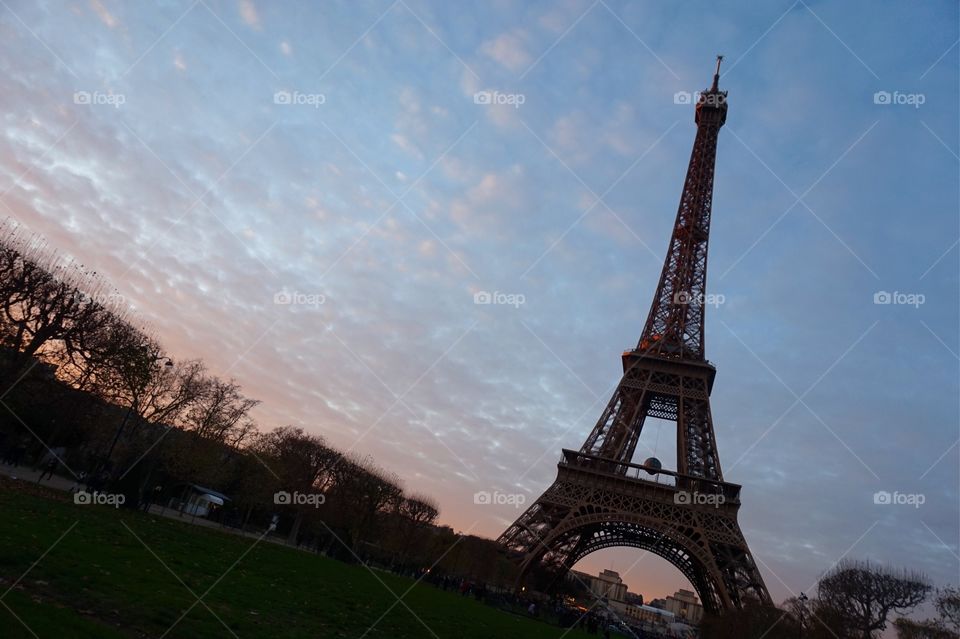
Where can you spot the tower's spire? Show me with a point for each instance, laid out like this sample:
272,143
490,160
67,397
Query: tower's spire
716,76
674,327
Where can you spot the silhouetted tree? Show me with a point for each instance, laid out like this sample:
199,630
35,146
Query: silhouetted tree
750,622
909,629
866,594
220,412
48,306
948,607
299,463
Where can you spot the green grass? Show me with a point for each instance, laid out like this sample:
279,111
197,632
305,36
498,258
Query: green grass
100,581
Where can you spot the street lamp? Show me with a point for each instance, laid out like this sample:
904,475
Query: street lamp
168,363
802,599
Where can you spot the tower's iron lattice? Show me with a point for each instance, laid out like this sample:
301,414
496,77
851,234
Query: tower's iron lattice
600,498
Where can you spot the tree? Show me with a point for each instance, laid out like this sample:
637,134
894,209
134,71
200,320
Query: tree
220,412
413,515
154,390
947,603
47,307
866,594
948,607
750,622
909,629
360,493
300,463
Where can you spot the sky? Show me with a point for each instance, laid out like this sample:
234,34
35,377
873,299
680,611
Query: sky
313,197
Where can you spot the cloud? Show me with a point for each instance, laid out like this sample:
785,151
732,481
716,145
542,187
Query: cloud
248,13
105,16
509,50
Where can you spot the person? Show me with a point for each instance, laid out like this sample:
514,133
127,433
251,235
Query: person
19,451
50,464
78,482
532,609
273,523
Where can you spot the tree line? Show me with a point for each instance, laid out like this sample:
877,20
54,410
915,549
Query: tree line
86,389
854,600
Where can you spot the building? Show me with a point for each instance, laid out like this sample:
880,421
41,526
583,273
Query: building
607,585
651,620
685,605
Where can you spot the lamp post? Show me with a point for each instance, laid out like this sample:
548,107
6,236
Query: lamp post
802,599
154,358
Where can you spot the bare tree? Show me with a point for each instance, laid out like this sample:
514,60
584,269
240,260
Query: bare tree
301,463
909,629
947,603
136,374
421,510
750,622
362,491
866,594
48,305
948,607
220,412
413,515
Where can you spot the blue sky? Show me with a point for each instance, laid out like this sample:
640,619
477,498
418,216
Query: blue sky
209,156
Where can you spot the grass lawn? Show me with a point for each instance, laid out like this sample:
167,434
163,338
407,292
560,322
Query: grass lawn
101,581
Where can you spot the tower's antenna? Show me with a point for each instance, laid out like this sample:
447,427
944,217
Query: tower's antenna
716,76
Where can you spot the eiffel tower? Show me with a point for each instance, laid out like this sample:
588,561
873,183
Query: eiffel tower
602,499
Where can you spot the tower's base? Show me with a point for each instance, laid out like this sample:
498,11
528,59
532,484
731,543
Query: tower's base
596,503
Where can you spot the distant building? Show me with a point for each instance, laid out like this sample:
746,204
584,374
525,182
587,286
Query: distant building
607,585
646,617
685,606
